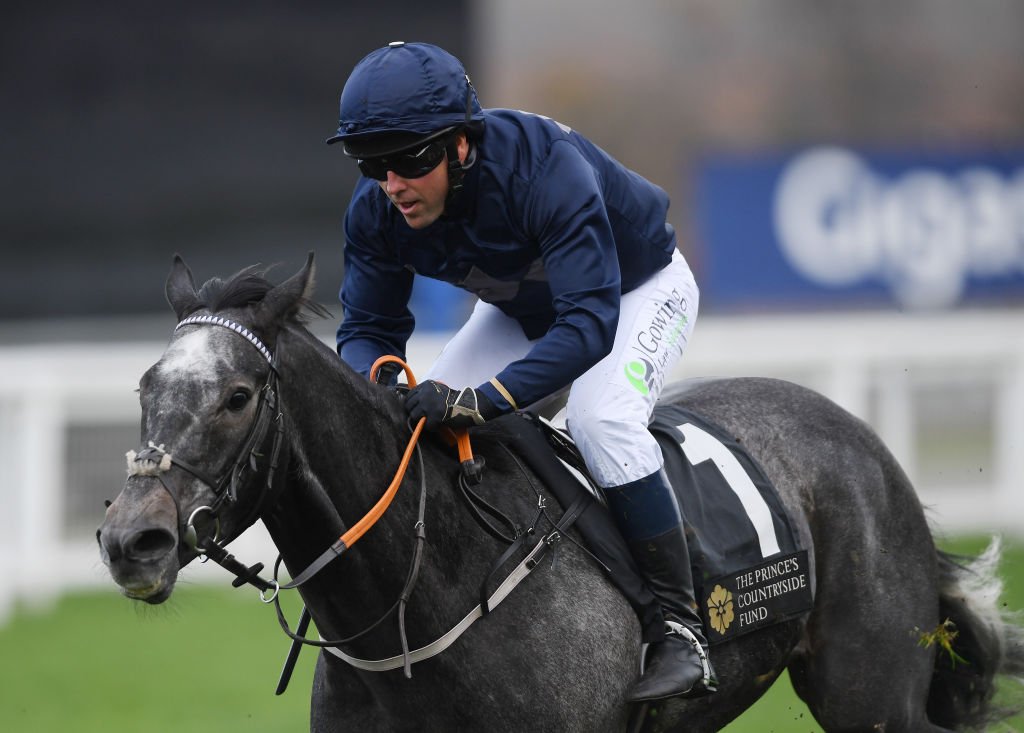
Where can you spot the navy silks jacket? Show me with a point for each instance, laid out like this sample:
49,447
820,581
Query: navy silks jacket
548,228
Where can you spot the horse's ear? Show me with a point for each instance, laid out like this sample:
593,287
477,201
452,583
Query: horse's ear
287,299
181,289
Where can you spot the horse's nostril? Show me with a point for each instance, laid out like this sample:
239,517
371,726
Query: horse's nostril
150,544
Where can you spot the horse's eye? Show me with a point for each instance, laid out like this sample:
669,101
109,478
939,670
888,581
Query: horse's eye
239,399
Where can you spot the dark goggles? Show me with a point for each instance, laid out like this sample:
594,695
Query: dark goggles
412,163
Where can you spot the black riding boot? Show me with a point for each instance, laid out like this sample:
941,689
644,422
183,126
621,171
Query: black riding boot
649,516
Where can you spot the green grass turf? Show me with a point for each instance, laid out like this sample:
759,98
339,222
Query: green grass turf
208,660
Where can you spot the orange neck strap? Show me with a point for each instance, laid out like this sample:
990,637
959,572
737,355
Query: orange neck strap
461,438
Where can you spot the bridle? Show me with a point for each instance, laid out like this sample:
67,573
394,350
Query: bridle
154,460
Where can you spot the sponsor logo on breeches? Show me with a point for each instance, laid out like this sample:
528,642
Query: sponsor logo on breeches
654,344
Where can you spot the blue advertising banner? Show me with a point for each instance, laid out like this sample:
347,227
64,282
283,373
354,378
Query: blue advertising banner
833,227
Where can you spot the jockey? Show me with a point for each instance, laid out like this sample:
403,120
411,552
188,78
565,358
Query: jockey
579,284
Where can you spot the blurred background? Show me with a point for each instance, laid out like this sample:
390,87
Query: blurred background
847,181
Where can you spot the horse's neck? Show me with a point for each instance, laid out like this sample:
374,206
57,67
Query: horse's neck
345,425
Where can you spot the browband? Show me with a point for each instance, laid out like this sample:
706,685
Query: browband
236,327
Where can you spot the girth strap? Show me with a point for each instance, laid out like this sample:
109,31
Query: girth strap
522,570
518,575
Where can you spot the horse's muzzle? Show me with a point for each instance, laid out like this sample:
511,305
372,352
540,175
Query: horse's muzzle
138,542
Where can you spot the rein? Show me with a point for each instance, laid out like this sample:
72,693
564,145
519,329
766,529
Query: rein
154,460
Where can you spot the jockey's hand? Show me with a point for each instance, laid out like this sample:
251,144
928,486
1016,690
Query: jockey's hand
442,405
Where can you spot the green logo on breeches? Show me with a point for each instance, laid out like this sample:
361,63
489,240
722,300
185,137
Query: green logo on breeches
636,372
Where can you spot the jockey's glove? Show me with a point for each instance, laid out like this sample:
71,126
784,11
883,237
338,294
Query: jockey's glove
453,408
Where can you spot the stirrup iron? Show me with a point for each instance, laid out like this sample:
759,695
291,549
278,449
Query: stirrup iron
674,627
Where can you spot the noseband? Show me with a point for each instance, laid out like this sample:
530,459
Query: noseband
154,460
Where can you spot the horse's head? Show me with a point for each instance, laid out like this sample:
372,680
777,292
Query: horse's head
211,429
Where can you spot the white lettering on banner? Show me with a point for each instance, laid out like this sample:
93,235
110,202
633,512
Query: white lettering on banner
746,599
924,233
700,446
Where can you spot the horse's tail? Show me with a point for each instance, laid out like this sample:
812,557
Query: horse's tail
978,641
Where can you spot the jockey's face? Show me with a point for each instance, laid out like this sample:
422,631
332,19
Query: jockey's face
421,200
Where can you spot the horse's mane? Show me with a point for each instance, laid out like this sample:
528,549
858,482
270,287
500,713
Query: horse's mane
248,287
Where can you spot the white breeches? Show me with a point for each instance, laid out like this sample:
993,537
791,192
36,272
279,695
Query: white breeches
610,405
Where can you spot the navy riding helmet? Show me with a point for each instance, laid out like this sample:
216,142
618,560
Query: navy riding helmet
403,95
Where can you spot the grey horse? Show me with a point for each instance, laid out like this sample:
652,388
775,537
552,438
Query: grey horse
248,415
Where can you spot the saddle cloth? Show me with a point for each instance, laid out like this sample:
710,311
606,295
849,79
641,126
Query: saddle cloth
749,569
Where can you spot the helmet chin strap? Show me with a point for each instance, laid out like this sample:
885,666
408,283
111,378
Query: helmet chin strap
456,170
